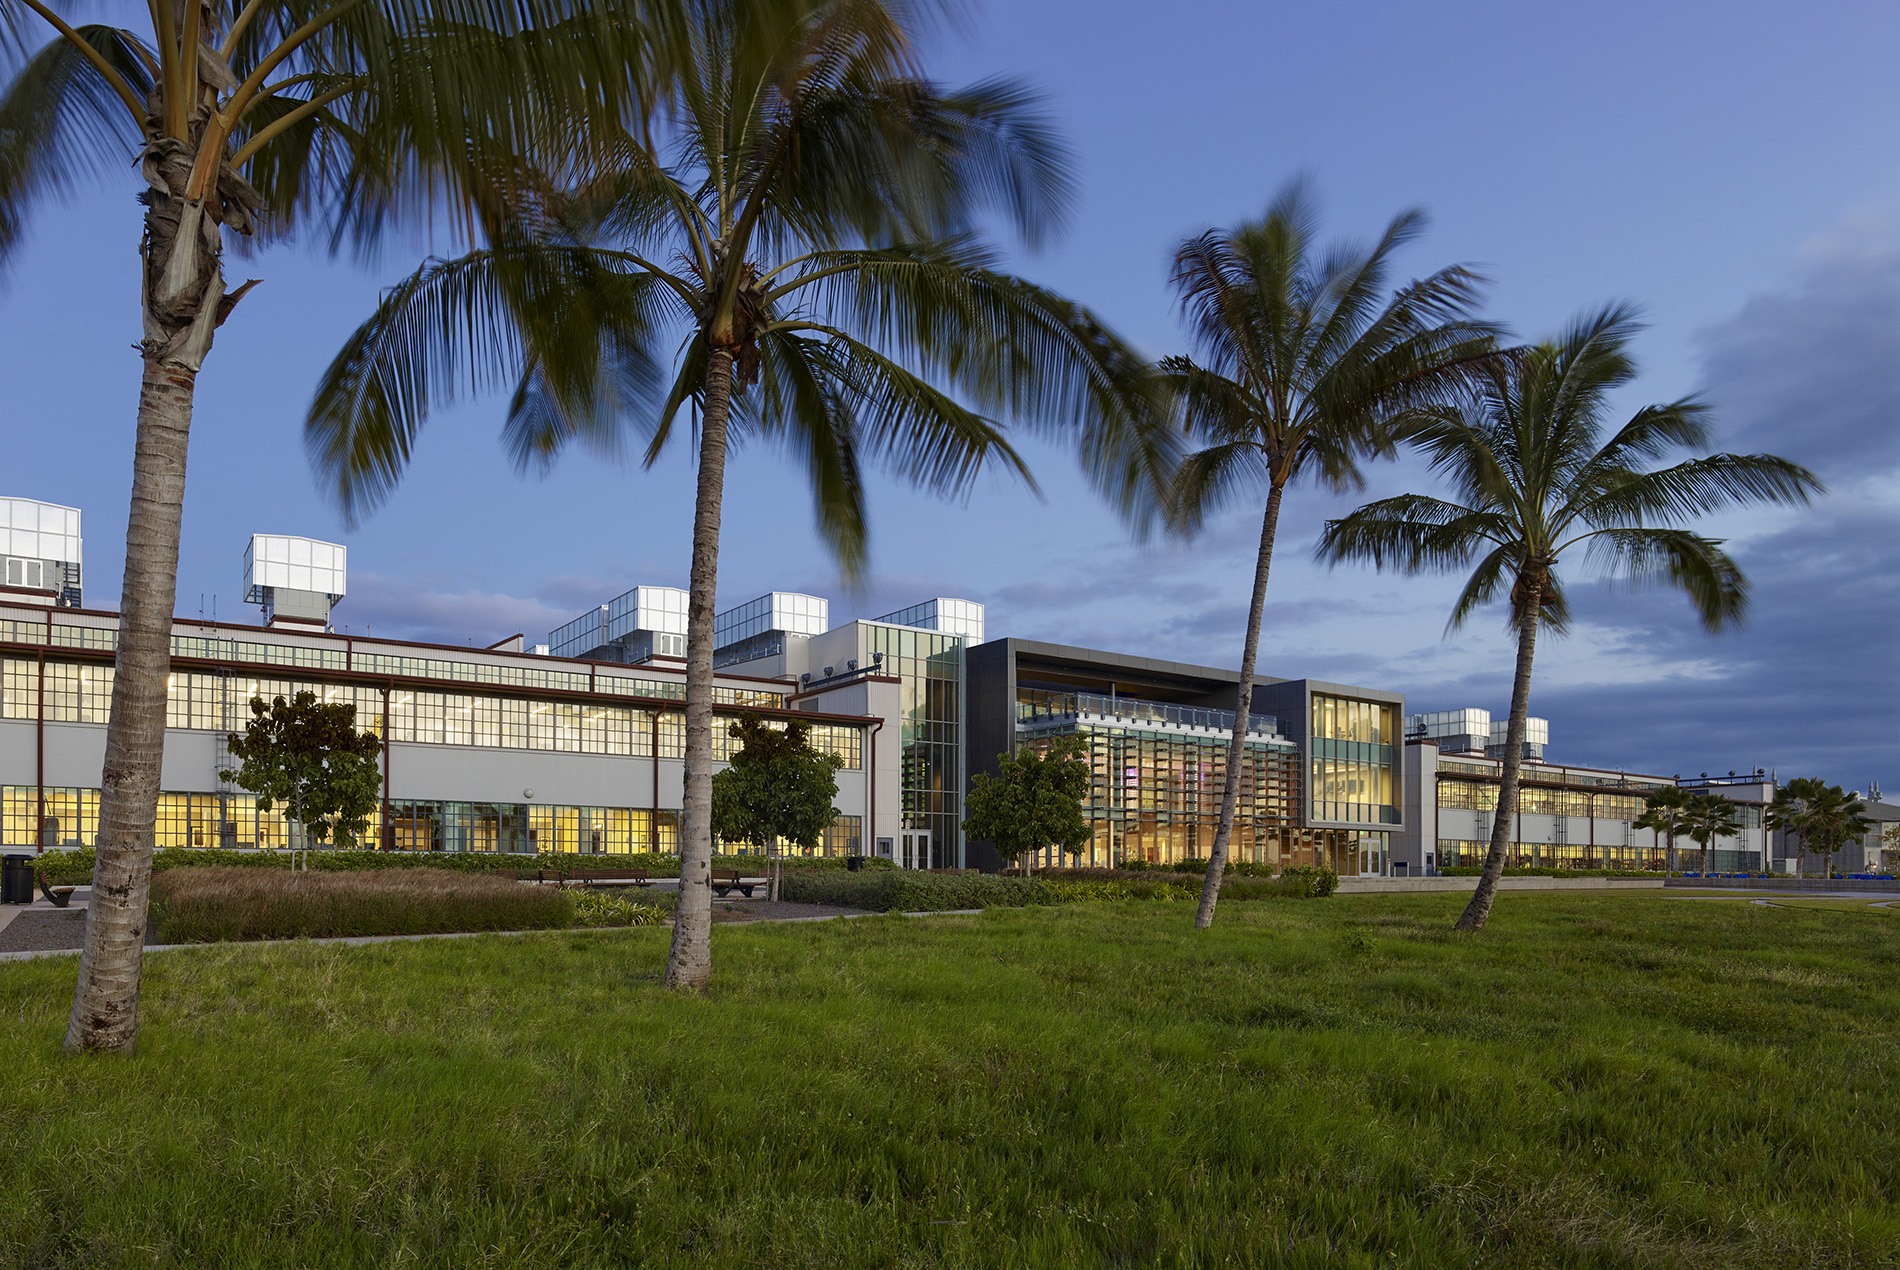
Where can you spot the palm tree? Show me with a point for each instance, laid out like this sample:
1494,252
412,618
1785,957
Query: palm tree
263,118
804,239
1837,819
1706,818
1793,812
1666,810
1533,481
1307,364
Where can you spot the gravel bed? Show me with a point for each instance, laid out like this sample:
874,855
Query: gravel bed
45,930
776,910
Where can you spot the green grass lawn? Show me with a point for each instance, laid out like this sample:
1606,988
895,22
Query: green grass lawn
1615,1080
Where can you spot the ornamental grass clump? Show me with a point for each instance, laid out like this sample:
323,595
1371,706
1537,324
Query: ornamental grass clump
210,905
604,908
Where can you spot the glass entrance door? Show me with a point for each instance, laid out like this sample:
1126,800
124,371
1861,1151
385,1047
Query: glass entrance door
914,849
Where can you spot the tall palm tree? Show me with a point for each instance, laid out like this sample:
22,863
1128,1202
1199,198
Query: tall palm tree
1794,813
802,234
1837,819
263,118
1665,810
1706,818
1790,812
1534,482
1304,365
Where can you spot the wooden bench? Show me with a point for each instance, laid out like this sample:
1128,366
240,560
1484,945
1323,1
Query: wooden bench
591,877
61,896
726,881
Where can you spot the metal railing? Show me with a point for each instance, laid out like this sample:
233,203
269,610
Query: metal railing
1037,705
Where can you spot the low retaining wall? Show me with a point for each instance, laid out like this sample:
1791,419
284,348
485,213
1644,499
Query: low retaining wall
1788,886
1400,886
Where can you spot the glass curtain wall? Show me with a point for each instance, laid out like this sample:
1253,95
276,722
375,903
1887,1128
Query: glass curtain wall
1155,796
1354,772
930,666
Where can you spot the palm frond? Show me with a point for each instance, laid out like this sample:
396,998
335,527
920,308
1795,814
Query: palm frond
472,325
1692,488
1413,532
1687,562
62,123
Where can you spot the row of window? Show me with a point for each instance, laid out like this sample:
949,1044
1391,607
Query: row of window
1541,801
929,668
303,656
82,693
1343,719
1467,854
1157,797
69,818
1353,790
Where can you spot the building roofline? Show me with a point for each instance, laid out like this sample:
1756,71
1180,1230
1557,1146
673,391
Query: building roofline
538,659
1101,658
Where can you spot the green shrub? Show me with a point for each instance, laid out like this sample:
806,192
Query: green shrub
1308,881
1197,865
1300,881
1166,889
205,905
606,908
909,891
65,868
1546,871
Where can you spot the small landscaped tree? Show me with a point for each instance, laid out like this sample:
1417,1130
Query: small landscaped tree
1706,818
1890,847
1666,811
1033,803
308,756
778,786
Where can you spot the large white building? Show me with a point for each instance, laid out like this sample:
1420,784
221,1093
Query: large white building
1567,816
578,744
494,749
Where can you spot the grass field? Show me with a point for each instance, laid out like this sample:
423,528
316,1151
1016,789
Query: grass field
1617,1080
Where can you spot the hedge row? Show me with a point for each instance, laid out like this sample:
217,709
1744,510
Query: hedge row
1300,882
1544,871
74,868
909,891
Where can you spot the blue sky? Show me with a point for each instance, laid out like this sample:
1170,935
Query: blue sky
1732,167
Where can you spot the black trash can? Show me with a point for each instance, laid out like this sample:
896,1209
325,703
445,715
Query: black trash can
16,879
853,863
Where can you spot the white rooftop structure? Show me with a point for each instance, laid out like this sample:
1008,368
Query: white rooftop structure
296,580
40,548
655,611
1473,731
32,530
790,612
1441,725
1536,731
950,616
296,564
661,609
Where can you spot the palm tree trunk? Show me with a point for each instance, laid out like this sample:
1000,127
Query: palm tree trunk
689,963
1671,866
106,1004
1479,910
1243,708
